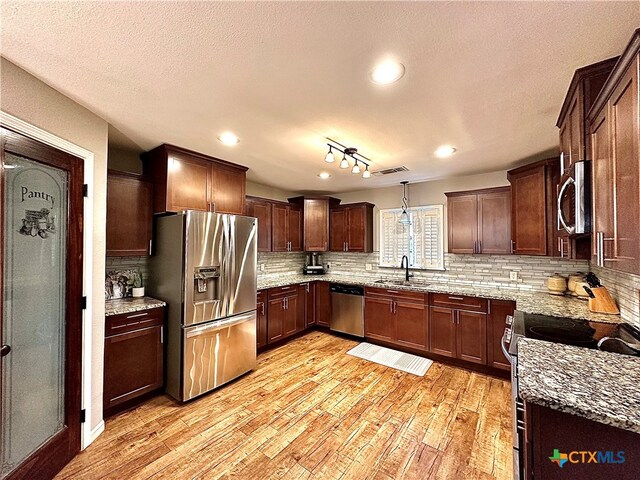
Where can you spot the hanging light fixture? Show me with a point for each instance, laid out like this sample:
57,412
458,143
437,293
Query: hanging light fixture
344,163
329,158
404,216
348,152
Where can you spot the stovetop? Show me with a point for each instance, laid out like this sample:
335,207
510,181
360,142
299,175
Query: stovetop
569,331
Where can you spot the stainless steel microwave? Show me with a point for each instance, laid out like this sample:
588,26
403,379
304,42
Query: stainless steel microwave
574,198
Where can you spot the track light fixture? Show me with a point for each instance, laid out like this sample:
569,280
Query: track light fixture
329,158
349,152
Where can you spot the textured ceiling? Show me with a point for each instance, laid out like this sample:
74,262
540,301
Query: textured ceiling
487,78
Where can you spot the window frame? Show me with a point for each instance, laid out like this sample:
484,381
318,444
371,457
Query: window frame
440,212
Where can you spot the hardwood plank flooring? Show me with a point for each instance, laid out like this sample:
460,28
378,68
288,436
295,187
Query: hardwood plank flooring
309,411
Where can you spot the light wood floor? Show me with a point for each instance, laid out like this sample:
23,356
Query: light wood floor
311,411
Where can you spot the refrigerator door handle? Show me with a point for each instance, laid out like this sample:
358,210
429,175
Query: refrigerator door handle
217,325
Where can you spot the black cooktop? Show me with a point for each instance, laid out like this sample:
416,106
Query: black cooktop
570,331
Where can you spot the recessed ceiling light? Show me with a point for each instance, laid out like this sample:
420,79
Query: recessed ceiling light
444,151
387,72
324,175
228,138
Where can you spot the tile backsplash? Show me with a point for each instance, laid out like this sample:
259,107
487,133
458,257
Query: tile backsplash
115,265
285,263
625,288
483,270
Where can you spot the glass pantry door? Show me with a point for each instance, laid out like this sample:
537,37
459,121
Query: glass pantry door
40,324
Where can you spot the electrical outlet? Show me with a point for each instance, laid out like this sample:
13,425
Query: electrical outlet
513,276
328,266
368,266
262,267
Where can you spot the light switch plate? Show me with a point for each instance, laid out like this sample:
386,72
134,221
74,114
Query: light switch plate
262,267
513,276
368,266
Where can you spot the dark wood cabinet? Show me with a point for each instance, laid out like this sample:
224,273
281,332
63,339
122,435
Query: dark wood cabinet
479,221
310,304
285,312
129,215
323,304
543,437
442,331
397,317
586,84
458,327
615,136
261,209
533,212
261,320
315,213
286,229
379,319
133,357
352,228
471,336
188,180
496,324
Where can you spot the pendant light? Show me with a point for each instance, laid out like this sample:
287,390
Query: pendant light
344,163
366,173
404,216
356,168
329,158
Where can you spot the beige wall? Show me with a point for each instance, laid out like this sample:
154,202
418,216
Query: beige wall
124,160
264,191
24,96
425,193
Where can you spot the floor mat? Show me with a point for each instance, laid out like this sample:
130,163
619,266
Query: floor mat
392,358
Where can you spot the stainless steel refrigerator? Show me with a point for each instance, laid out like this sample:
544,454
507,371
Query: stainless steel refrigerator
204,268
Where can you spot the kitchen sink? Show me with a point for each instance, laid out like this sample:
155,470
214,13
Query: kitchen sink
403,283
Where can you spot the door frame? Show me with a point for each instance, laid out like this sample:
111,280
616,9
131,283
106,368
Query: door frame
87,434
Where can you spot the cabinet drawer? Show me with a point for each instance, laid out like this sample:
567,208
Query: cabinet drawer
127,322
279,292
404,295
461,302
262,296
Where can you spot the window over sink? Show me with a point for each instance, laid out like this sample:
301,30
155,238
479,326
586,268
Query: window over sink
422,241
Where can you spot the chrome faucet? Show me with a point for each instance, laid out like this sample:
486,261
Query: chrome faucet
404,263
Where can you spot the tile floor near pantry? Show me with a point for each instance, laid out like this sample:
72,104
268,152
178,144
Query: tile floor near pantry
311,411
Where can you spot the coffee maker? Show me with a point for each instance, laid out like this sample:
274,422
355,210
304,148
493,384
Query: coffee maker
313,265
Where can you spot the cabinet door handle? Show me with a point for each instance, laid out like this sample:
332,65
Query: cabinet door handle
161,334
262,309
479,246
347,246
150,245
513,246
456,298
391,307
137,315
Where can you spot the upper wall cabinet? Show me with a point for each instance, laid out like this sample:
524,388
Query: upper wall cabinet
187,180
129,215
587,82
615,137
315,212
352,228
286,227
261,209
480,221
533,198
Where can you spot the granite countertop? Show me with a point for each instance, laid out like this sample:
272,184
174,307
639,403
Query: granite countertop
118,306
528,302
600,386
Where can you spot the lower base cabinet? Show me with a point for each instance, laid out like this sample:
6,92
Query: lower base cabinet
309,304
323,304
261,319
133,357
456,332
396,317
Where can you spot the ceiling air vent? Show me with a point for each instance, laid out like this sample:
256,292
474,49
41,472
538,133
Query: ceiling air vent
389,171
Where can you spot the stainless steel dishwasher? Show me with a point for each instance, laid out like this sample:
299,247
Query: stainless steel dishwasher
347,309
